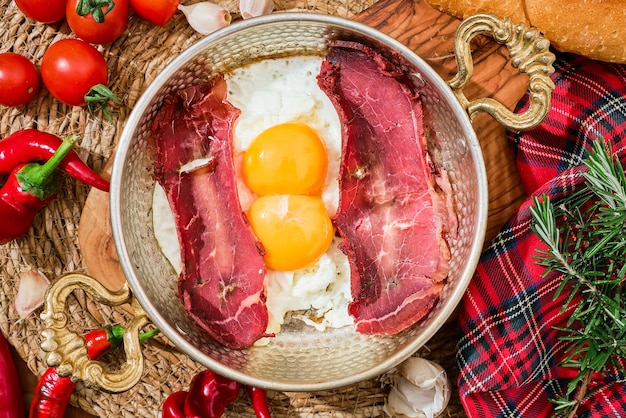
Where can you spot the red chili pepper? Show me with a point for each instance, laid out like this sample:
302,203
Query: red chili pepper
209,395
258,397
31,145
29,188
10,388
174,405
53,392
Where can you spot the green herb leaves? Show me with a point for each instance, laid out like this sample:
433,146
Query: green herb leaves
586,239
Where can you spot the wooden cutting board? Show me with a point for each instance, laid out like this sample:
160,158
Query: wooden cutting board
430,34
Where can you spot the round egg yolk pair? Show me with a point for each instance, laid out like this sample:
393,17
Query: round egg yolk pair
286,166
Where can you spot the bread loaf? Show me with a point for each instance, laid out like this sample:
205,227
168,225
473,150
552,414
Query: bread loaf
593,28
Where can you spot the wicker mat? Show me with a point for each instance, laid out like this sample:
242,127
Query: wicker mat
52,243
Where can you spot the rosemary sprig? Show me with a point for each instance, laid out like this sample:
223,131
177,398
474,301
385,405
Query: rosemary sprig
586,239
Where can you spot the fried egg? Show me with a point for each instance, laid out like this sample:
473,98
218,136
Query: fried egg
287,150
284,91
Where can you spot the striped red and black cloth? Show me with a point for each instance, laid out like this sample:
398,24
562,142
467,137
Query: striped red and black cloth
508,351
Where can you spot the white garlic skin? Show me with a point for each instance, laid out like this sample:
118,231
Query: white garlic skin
254,8
31,292
206,17
422,390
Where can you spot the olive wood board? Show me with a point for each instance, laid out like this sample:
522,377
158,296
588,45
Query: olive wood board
428,32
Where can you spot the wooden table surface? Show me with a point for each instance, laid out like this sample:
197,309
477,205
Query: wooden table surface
429,33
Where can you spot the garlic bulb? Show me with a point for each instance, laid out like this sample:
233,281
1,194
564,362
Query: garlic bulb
206,17
422,390
31,292
253,8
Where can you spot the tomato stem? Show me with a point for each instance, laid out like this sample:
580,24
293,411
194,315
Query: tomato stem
94,8
97,96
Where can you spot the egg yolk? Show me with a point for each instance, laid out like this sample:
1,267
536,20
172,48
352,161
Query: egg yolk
289,158
294,229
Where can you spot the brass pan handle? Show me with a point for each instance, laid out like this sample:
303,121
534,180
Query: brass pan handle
530,54
67,350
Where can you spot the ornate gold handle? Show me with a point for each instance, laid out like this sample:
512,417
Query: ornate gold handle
530,54
67,350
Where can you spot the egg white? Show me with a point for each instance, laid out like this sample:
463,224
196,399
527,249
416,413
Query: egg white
268,93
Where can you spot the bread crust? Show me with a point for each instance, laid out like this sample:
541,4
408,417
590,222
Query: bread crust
593,28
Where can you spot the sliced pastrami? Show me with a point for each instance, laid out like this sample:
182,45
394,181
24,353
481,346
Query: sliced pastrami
222,277
390,216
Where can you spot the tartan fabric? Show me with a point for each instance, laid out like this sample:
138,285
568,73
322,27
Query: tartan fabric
589,101
508,350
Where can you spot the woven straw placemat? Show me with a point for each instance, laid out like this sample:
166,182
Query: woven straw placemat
52,243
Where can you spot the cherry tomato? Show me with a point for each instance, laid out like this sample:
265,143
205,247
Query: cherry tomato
97,24
155,11
49,11
70,68
19,79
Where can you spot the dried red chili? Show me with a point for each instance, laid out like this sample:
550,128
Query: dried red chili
10,388
53,392
29,188
174,405
31,145
209,394
258,398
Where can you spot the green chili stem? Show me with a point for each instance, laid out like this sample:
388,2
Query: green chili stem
38,175
38,179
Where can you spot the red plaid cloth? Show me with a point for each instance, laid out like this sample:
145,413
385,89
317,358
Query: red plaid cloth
508,350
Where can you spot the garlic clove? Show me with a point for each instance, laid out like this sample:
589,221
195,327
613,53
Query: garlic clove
398,405
253,8
206,17
421,372
31,292
422,390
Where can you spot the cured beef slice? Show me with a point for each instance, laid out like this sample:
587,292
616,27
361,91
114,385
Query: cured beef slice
390,215
222,277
